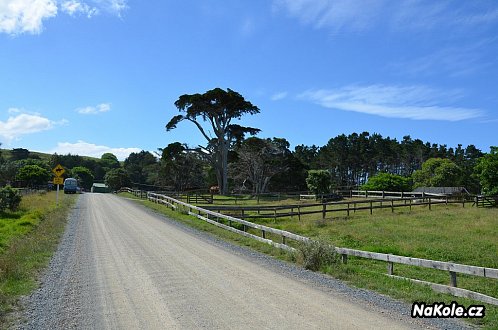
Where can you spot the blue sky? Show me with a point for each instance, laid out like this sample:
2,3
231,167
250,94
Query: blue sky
95,76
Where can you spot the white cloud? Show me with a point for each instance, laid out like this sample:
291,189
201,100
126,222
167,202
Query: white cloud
279,96
410,102
25,16
74,7
23,124
94,110
83,148
361,15
115,7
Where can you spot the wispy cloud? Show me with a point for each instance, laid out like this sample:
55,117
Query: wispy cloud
339,15
94,110
74,7
279,96
93,150
20,124
116,7
452,61
27,16
247,26
408,102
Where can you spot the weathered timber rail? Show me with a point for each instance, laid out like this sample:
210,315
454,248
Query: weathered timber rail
279,211
215,219
452,268
486,201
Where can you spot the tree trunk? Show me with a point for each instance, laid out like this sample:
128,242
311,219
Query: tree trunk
224,168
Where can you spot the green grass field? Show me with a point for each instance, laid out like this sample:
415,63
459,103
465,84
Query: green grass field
446,232
28,239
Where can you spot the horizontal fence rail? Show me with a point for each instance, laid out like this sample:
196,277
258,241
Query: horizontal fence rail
453,268
279,211
205,215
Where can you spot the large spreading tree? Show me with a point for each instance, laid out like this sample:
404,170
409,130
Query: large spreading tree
217,109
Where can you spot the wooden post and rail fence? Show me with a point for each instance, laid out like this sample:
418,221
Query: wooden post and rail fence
347,207
227,222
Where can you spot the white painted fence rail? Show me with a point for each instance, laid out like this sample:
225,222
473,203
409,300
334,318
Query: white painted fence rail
452,268
205,215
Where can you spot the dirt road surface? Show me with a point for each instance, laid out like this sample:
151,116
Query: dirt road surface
120,266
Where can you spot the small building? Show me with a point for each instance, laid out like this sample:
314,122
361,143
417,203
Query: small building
100,188
446,191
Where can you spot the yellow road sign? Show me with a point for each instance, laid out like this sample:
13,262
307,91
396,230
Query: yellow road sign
58,170
58,180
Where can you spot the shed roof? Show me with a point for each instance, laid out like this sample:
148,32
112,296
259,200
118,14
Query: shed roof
442,190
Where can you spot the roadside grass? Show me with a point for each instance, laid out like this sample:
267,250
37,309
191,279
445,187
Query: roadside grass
28,238
447,233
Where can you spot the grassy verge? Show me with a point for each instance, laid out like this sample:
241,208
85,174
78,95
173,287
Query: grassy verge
28,239
447,233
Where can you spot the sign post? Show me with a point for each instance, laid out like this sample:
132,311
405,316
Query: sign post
58,180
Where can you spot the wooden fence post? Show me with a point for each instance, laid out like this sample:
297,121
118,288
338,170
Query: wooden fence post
371,208
344,258
324,210
390,268
453,280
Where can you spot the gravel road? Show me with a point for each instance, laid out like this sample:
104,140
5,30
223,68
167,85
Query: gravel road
121,266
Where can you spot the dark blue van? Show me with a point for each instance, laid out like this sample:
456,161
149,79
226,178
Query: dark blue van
70,186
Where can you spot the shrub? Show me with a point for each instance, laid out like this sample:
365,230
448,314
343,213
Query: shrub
388,182
318,182
315,255
9,199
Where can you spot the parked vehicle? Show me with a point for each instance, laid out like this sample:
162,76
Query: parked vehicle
70,186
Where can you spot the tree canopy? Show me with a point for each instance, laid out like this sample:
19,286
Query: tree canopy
117,178
84,175
33,175
142,167
181,168
258,161
486,171
319,182
388,182
438,172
